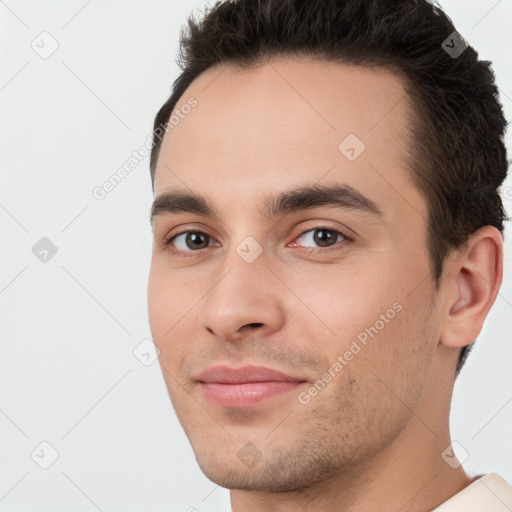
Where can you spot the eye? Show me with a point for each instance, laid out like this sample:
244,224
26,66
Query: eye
189,240
322,236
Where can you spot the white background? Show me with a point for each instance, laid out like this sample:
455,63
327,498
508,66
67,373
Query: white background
68,375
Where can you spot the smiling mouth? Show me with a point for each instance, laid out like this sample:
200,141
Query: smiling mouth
244,387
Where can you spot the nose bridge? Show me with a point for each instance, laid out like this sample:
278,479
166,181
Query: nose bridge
244,293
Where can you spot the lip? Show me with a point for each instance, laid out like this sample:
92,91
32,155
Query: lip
246,386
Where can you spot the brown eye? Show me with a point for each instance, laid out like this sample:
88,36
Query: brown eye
322,237
190,241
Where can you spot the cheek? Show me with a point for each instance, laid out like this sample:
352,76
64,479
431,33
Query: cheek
158,297
350,300
169,301
374,318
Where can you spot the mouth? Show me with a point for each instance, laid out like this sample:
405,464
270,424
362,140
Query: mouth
246,386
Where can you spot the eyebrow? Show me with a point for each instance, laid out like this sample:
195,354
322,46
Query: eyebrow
293,200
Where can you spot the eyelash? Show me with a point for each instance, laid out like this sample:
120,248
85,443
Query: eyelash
168,241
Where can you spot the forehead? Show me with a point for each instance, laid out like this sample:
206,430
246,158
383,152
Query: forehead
290,120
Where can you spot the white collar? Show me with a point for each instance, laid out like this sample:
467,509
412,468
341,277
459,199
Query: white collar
487,493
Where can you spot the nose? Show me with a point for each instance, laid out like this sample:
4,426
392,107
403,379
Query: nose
245,301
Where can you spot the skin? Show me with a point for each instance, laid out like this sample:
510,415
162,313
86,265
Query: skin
373,437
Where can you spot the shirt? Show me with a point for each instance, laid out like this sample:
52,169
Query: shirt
488,493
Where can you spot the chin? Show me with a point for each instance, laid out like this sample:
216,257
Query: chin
281,474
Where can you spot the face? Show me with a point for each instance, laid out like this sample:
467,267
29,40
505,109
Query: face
333,291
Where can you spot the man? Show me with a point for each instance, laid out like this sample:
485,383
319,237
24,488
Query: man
327,244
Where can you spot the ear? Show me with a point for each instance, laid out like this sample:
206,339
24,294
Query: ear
472,279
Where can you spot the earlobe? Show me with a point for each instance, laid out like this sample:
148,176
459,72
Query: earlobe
476,275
